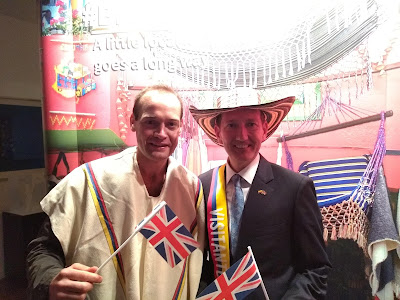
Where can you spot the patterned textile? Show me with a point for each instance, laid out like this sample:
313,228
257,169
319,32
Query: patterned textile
383,239
335,179
217,222
105,221
274,111
345,190
337,184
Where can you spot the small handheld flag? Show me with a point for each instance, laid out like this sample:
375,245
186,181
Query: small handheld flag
169,236
236,283
137,229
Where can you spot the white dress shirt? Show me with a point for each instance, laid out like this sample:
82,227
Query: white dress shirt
247,175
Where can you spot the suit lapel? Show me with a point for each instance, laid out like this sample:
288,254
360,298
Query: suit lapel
259,194
260,189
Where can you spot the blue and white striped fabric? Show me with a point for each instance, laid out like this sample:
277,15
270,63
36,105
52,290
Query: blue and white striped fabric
336,180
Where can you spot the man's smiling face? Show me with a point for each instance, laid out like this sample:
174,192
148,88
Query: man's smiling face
241,131
158,126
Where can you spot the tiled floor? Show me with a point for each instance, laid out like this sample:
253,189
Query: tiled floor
12,289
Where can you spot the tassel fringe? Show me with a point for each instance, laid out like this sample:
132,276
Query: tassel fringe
346,220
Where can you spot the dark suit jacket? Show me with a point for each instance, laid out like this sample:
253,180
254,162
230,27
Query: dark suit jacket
284,230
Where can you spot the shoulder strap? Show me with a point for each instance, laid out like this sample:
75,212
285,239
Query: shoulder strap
217,222
105,221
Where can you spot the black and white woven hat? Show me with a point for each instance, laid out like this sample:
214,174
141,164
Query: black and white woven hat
274,111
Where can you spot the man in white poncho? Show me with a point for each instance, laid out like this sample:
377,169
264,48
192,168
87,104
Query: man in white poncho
97,206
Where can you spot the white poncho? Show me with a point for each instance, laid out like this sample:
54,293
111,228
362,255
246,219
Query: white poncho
76,223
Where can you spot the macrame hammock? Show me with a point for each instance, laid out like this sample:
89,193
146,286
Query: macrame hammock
345,187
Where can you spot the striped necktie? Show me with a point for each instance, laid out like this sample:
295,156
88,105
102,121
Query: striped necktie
236,209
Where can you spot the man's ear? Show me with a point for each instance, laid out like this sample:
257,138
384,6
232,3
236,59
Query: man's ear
132,119
265,129
180,126
218,133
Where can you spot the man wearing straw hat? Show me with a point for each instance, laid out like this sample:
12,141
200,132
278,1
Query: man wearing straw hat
96,207
252,202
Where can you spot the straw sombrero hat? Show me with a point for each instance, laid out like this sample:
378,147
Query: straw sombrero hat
274,111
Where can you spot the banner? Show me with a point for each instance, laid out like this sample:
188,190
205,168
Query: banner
93,65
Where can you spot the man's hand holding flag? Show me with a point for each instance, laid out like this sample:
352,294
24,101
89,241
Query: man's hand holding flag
166,233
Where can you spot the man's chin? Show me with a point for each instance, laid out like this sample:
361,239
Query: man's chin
160,155
243,152
243,156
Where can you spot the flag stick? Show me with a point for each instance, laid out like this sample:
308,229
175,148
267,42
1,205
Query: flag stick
258,271
137,229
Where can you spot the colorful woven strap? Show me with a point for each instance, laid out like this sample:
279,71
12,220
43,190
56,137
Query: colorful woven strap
106,223
217,222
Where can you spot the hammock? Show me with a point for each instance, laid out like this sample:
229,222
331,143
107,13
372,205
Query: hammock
345,188
342,114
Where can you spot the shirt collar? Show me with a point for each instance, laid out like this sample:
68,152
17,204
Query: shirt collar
248,173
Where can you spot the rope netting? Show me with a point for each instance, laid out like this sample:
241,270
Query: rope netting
321,37
325,58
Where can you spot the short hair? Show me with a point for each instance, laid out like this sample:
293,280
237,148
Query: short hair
218,118
137,106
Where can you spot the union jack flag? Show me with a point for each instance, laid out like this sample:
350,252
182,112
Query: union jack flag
169,236
236,283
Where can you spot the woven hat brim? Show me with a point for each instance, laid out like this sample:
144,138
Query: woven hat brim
275,112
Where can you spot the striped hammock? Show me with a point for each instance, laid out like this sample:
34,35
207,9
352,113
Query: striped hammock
337,179
345,188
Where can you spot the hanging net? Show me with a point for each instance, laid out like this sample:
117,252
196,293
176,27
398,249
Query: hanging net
325,53
321,37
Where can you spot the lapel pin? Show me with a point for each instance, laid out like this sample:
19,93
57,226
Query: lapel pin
262,192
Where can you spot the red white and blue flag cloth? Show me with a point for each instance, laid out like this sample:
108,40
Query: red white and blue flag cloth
236,283
169,236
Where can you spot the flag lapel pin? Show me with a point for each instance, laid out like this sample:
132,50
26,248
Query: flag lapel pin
262,192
